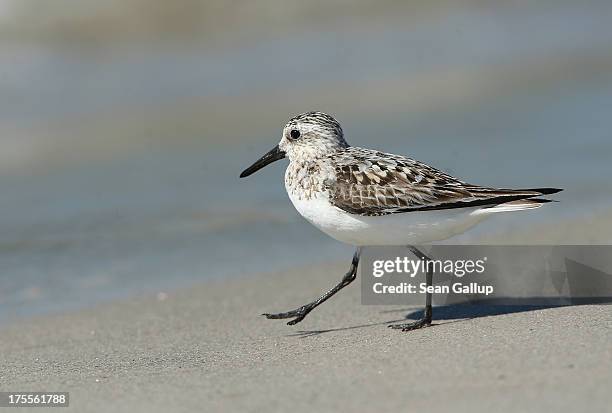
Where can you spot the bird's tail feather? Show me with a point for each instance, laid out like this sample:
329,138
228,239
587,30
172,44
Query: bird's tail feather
519,205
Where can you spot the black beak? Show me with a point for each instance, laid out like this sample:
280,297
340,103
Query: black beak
274,155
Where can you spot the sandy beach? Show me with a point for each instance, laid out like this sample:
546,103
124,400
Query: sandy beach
207,349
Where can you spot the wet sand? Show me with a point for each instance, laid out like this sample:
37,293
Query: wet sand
207,349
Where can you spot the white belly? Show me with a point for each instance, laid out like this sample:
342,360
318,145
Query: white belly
410,228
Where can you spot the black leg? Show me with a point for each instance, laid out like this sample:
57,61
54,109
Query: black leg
426,320
303,311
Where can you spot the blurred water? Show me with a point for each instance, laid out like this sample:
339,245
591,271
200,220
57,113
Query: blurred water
153,217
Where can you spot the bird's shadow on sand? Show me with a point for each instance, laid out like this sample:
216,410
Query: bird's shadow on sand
453,313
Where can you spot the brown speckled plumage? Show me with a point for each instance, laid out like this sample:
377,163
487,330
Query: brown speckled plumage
369,182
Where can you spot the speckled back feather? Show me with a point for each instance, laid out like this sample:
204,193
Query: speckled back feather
370,183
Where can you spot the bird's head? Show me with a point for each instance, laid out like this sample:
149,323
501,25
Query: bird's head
307,136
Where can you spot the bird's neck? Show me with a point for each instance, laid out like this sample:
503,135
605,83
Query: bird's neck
313,154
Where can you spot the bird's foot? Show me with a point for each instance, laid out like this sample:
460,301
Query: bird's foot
298,313
423,322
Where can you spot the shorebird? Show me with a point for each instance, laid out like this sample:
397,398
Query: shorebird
365,197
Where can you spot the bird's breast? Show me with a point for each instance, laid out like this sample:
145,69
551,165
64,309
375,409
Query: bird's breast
306,180
307,187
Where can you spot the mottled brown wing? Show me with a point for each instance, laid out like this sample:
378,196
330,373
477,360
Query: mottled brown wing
374,183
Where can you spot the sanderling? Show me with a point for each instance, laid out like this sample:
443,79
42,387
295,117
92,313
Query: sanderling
365,197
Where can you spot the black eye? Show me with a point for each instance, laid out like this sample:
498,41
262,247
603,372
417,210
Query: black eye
295,134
